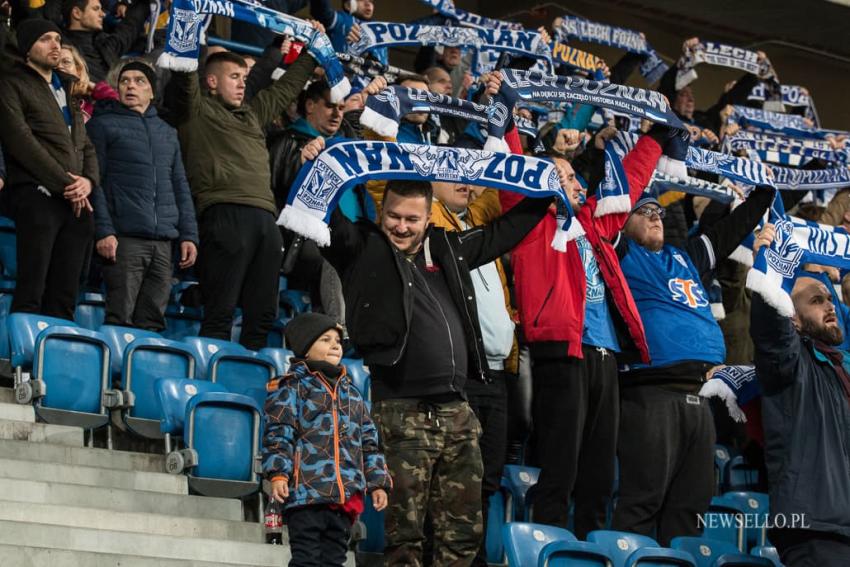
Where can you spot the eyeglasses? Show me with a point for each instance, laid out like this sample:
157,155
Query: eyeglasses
650,212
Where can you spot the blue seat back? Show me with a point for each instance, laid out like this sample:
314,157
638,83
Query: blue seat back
493,542
767,552
280,356
705,551
524,541
573,554
5,309
147,360
74,364
620,545
517,480
721,520
178,326
245,373
359,376
294,302
23,330
204,348
740,475
721,460
374,522
118,337
8,248
91,310
756,505
173,395
224,429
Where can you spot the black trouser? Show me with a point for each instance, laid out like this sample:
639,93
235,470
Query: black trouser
239,265
519,409
491,410
51,248
808,548
138,283
575,411
318,536
666,452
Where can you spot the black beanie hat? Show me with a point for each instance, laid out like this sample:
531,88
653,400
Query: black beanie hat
30,30
143,68
303,331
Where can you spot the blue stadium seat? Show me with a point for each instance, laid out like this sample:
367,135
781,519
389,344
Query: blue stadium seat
173,395
724,521
516,481
757,505
524,541
632,550
222,434
23,329
276,339
374,522
711,552
740,475
573,554
204,348
8,248
71,365
245,373
118,337
722,456
493,544
767,552
91,310
359,376
181,321
280,356
5,310
147,360
294,302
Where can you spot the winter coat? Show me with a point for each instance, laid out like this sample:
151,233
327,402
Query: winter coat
320,438
143,192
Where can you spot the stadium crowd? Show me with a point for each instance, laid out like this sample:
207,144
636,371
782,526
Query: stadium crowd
486,345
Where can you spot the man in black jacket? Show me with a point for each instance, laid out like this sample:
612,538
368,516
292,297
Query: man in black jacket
412,313
806,419
51,170
101,50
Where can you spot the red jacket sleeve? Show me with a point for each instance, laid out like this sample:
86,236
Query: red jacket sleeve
638,166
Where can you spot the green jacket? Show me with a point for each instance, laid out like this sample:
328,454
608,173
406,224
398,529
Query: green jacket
225,148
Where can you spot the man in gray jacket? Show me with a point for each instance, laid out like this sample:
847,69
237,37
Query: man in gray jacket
806,418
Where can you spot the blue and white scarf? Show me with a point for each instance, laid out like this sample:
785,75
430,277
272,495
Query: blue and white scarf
574,58
796,243
736,386
787,124
526,127
662,183
389,34
345,163
788,178
786,150
447,8
634,42
384,111
185,27
792,95
721,55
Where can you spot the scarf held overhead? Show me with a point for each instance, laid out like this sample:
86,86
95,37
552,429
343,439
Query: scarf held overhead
722,55
345,163
653,66
448,8
184,36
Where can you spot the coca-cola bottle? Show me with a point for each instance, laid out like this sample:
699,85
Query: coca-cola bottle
274,523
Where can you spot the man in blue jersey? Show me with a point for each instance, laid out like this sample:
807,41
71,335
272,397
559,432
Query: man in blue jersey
666,439
339,24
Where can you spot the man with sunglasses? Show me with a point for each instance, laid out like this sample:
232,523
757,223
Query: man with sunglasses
666,438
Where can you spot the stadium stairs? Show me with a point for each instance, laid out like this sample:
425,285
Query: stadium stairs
66,505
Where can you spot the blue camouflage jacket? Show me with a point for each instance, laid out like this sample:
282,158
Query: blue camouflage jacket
320,437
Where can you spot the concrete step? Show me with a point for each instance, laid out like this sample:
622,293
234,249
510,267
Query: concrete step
41,433
18,556
142,545
101,458
17,412
92,476
41,492
151,524
7,396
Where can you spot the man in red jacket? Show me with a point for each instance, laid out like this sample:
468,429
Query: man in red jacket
568,304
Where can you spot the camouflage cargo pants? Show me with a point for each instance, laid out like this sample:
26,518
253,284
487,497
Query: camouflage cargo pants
433,456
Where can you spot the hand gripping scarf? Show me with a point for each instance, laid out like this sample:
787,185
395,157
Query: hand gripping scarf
184,36
634,42
384,111
387,34
736,386
345,163
724,56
